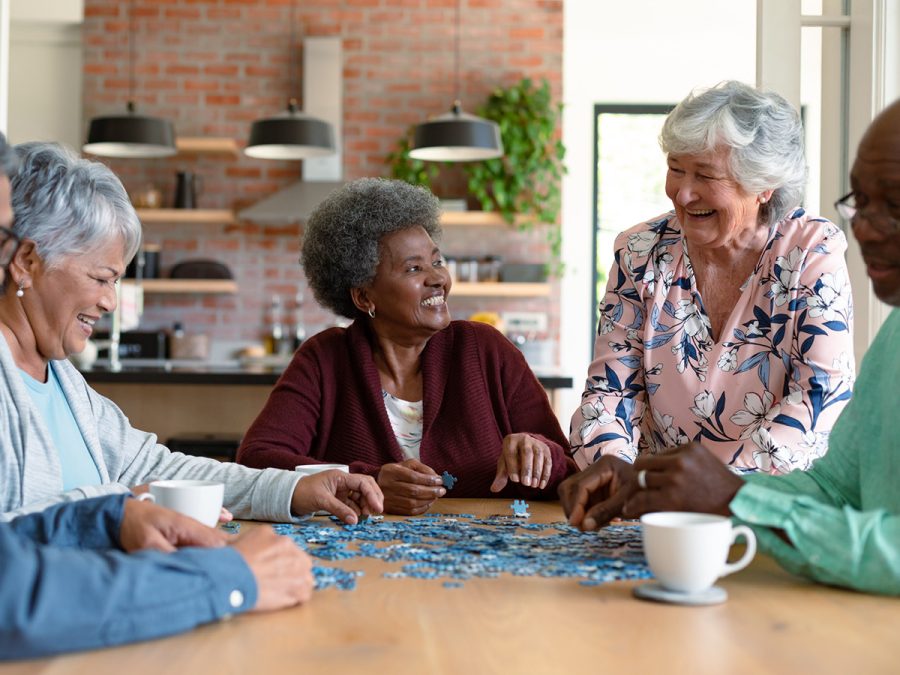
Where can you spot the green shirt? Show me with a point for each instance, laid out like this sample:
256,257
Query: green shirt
843,515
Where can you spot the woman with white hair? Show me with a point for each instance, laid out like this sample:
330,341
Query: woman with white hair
727,320
59,439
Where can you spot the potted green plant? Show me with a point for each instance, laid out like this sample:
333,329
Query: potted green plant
523,186
525,182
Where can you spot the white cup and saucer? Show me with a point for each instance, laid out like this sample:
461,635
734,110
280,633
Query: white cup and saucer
687,553
199,499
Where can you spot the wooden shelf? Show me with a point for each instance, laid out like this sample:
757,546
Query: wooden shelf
489,289
184,286
186,216
202,145
474,219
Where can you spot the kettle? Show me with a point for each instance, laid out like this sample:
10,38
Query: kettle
187,187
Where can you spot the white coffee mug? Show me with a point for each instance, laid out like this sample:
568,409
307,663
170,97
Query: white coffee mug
687,552
310,469
199,499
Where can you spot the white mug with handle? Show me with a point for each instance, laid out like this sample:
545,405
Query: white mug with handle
687,552
199,499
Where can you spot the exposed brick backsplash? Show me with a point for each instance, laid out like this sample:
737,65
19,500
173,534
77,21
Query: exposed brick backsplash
213,66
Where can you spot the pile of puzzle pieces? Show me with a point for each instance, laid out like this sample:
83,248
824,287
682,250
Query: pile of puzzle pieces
460,547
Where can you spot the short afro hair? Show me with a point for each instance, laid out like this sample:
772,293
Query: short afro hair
341,243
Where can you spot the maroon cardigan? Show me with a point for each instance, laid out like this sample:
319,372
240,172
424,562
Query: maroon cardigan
477,388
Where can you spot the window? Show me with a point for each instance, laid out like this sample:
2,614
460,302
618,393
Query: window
629,179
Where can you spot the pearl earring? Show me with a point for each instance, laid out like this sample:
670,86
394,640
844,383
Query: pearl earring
371,312
21,292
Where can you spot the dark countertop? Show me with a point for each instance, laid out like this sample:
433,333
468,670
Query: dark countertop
185,372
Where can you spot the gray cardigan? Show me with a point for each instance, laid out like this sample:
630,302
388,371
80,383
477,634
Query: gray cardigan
31,474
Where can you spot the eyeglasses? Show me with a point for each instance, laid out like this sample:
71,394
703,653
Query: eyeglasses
9,244
847,208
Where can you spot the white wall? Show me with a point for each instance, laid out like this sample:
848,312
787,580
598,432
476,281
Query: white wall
45,61
639,51
44,37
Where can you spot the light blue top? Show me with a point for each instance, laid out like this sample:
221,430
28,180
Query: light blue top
78,467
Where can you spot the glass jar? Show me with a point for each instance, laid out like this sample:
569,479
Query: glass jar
489,268
467,269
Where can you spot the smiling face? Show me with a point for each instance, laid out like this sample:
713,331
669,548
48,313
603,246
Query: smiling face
410,289
64,301
875,180
713,208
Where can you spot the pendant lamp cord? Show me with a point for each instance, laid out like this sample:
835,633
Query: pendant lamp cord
131,52
456,55
292,97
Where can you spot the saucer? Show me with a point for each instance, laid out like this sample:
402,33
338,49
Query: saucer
713,595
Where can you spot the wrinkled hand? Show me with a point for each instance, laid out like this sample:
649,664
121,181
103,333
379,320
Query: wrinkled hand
524,459
283,572
689,478
346,495
596,495
147,525
410,487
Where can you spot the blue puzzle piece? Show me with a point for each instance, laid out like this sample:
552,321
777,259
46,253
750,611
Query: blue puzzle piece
520,508
448,480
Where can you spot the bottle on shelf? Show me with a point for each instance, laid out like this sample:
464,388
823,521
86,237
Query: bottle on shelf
275,332
299,331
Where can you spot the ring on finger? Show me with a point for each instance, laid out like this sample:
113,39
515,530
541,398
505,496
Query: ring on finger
642,479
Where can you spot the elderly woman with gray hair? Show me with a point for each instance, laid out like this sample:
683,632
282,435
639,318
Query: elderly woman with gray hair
727,320
404,394
60,440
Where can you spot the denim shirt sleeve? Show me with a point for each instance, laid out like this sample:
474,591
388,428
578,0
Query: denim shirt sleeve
61,598
90,523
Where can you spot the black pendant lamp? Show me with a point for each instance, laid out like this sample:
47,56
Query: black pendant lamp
130,135
292,134
457,136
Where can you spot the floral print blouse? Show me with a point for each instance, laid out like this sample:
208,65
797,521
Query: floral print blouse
764,397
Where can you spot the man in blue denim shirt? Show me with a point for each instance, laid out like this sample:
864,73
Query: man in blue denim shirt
65,585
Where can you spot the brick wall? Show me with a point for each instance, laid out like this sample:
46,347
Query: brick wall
213,66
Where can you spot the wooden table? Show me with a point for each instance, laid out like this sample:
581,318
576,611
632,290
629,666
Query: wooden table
772,623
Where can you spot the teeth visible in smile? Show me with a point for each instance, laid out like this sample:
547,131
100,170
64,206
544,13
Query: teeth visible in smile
702,212
434,300
83,319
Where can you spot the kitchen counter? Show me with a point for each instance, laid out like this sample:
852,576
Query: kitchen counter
151,371
179,397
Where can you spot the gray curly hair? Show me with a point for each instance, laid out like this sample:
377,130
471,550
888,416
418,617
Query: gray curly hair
762,131
341,243
68,205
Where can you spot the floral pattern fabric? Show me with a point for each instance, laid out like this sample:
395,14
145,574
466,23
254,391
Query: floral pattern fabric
762,398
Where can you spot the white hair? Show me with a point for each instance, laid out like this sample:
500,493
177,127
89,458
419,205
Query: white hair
68,205
761,130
